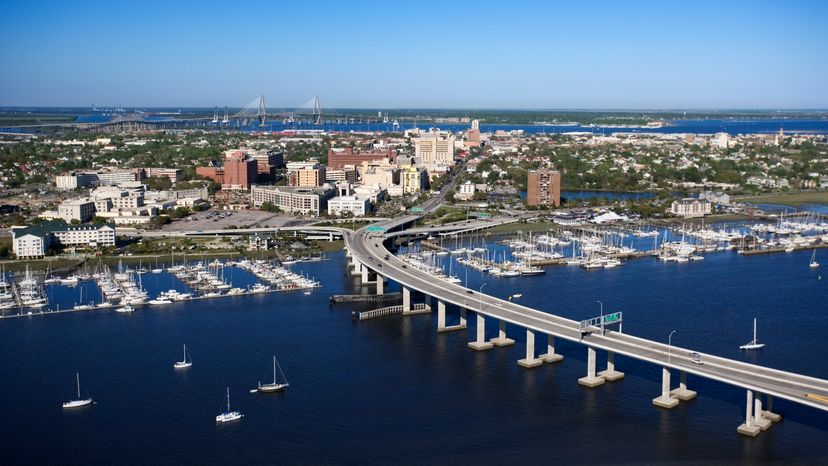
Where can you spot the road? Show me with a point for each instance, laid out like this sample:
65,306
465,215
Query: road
369,249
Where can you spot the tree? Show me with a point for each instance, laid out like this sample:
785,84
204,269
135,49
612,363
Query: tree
269,207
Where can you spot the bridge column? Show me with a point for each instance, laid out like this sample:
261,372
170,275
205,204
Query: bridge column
530,360
591,380
406,300
480,344
611,374
758,415
365,271
501,339
357,268
463,317
682,393
441,316
380,284
550,355
665,400
749,427
769,414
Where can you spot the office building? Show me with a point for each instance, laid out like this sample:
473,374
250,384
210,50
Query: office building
293,199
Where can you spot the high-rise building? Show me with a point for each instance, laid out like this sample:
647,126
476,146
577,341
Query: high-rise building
412,179
473,134
239,171
543,188
434,148
310,177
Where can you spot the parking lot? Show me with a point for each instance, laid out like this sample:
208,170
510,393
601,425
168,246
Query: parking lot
220,219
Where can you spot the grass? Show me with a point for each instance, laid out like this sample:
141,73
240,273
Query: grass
789,199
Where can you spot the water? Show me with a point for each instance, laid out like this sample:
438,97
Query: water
708,126
391,389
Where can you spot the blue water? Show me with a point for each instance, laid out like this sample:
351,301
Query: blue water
708,126
392,390
611,195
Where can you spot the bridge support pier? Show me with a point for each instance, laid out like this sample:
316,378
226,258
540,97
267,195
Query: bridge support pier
501,339
749,427
769,414
380,284
406,304
364,280
357,268
591,380
759,416
682,393
530,360
480,344
665,400
551,356
611,374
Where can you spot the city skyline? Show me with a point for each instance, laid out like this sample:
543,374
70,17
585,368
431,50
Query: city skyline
480,55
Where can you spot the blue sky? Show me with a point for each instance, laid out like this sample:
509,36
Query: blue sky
599,54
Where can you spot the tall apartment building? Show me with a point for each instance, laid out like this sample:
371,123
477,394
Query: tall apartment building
543,188
348,174
412,179
310,177
81,210
120,176
473,134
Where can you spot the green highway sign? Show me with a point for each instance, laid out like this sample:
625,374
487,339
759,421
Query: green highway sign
484,215
612,317
376,228
416,209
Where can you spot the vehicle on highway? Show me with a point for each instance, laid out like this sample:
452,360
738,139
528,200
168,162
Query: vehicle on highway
695,358
404,266
386,257
469,291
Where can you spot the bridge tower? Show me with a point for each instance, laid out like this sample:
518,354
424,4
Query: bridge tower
260,114
317,111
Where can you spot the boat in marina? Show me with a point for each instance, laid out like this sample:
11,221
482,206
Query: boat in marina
78,402
273,386
813,264
753,344
125,309
227,415
187,362
160,300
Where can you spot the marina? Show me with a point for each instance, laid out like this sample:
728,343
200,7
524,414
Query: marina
124,291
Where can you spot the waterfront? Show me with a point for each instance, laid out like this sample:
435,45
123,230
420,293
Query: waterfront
390,388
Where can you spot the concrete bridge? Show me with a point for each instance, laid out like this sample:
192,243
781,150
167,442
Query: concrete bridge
374,263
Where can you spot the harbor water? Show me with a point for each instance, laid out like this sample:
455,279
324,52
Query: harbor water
393,390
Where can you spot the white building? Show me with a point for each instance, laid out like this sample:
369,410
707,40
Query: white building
34,241
466,190
76,180
434,148
690,207
81,210
292,199
356,205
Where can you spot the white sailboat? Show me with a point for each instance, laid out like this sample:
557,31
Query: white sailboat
753,344
185,363
79,401
227,415
814,264
273,387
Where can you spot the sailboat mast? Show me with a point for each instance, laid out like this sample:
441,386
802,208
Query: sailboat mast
274,370
754,330
77,376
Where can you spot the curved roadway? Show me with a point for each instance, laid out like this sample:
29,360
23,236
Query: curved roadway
368,249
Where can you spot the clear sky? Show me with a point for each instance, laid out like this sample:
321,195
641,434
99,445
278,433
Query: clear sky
444,54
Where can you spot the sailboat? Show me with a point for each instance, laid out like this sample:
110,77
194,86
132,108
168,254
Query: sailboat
273,387
185,363
814,264
227,415
753,344
78,402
